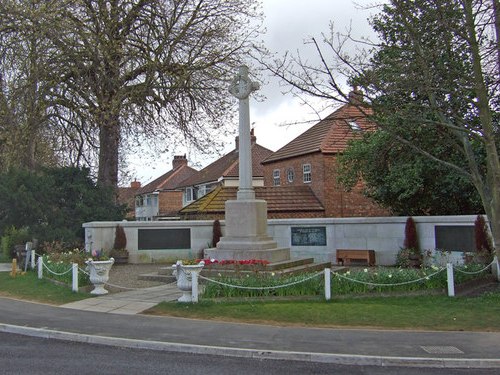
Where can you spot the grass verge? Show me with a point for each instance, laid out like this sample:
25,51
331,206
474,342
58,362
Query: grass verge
421,313
29,287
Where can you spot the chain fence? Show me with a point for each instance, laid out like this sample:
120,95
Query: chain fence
450,280
427,277
262,287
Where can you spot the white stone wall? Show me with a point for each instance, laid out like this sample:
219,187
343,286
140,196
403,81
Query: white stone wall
385,235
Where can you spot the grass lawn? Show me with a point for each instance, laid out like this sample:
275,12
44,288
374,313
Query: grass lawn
421,313
29,287
429,312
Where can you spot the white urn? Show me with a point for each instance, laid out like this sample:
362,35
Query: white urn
183,274
99,274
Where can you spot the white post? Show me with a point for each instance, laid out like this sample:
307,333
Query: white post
40,267
328,290
33,259
194,287
451,281
75,277
495,268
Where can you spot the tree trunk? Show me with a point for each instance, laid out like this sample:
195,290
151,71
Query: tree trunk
109,142
490,193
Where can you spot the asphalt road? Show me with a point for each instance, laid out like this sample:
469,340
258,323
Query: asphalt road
31,355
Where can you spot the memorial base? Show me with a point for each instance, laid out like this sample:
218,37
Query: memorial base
246,234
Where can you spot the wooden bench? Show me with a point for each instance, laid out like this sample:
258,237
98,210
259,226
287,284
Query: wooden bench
345,256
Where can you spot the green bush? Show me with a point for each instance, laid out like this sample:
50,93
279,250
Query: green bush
54,202
12,236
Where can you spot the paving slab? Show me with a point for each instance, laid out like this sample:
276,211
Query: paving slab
129,302
5,267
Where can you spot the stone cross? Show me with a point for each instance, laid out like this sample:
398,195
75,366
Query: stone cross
241,87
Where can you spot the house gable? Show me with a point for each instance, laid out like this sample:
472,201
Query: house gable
311,159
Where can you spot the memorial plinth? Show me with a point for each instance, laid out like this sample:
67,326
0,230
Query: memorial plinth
246,217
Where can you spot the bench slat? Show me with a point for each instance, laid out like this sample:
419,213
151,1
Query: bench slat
345,256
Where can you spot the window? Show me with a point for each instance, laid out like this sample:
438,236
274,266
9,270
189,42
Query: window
276,177
188,194
354,126
290,175
139,201
306,173
202,190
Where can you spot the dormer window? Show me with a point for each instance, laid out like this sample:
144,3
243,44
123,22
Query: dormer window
354,126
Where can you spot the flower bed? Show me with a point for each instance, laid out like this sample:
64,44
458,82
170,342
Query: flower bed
60,263
360,281
243,265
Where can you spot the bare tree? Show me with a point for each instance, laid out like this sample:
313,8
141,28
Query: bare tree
125,69
23,116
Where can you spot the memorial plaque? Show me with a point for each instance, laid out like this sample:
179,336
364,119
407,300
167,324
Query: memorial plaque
308,236
455,237
164,239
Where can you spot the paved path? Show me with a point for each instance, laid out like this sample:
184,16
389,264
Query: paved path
127,302
4,267
130,302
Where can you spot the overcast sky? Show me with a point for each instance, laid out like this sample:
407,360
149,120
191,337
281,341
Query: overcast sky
288,23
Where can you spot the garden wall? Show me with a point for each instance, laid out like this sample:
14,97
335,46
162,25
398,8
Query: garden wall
165,241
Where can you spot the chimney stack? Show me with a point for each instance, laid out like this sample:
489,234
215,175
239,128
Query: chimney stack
135,184
253,139
179,160
356,96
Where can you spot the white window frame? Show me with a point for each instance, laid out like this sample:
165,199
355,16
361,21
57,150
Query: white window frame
306,173
276,177
202,190
355,127
290,175
188,194
139,201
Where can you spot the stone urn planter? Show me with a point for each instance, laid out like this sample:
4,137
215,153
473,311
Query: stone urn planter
183,274
99,274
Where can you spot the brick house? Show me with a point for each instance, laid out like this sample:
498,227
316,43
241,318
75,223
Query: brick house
126,196
161,198
311,160
224,172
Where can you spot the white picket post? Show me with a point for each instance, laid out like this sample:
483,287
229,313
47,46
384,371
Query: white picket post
495,268
328,290
33,259
75,277
194,287
40,267
451,281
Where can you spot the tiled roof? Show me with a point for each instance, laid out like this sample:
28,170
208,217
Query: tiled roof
228,166
330,135
169,180
279,198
